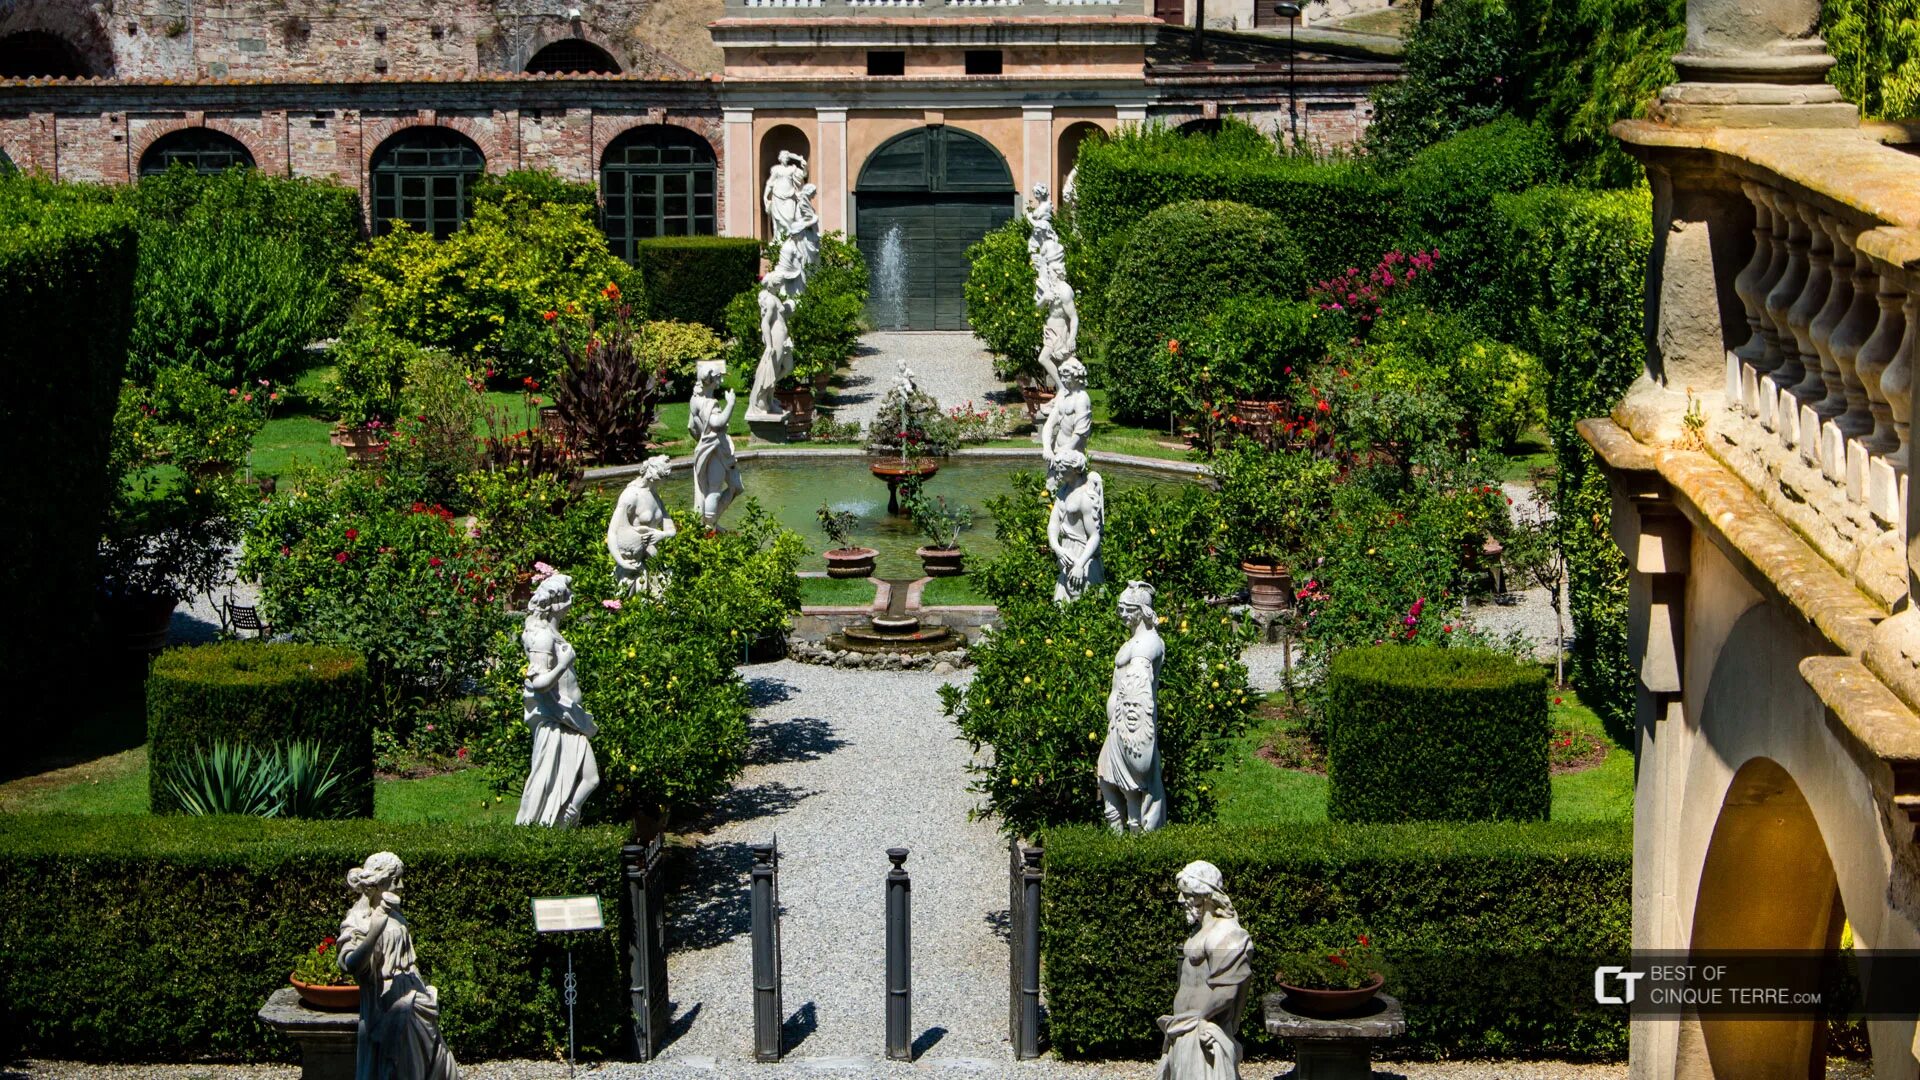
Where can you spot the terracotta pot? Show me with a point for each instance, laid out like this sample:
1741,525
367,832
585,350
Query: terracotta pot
941,562
361,445
797,401
1270,585
851,562
551,421
1331,1004
331,998
1259,411
1035,396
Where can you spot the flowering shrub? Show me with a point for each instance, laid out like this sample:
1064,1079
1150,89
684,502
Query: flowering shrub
369,374
1347,966
924,430
736,586
1250,346
1272,500
1000,304
432,445
971,425
320,965
1361,297
676,348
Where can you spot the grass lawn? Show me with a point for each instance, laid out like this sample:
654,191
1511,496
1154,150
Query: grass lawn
952,591
836,592
1533,451
1396,21
1253,791
1115,437
301,434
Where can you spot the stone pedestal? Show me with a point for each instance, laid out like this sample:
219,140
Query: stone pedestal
328,1041
1334,1049
769,427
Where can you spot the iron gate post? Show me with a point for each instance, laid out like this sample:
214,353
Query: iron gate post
647,951
1026,1043
899,958
764,894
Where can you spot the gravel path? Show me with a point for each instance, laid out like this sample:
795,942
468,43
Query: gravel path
951,365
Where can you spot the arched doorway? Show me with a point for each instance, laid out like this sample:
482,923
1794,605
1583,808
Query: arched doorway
778,138
923,199
1068,155
422,176
572,56
1202,127
203,150
656,180
1766,833
36,54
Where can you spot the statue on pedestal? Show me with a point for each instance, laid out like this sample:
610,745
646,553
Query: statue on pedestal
779,292
1202,1037
639,524
1075,524
1040,218
716,473
781,197
1129,770
399,1013
564,772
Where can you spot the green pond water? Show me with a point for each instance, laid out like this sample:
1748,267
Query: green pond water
794,487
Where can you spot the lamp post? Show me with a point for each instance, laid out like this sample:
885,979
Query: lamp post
1290,11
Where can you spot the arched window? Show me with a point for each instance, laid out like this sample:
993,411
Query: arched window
1202,127
32,54
657,180
203,150
571,56
422,176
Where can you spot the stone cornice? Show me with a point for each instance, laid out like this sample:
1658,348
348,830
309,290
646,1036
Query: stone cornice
856,31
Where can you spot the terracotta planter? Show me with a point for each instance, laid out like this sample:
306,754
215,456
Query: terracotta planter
1331,1004
1270,585
362,445
896,470
331,998
941,562
797,403
1035,397
1259,411
854,562
552,422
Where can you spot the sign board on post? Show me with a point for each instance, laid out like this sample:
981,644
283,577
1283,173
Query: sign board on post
565,914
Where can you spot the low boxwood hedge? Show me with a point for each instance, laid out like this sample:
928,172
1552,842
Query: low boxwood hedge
692,278
260,694
1490,931
157,939
1432,734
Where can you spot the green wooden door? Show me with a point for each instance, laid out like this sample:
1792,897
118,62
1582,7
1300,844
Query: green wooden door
923,199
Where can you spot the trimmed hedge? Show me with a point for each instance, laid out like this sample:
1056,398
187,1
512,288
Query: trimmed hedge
1416,733
157,939
67,262
1490,931
260,694
692,278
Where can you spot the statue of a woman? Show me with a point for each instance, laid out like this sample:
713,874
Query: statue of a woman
564,772
1203,1034
1074,527
639,524
399,1012
1060,335
1069,415
1129,770
716,473
779,292
782,193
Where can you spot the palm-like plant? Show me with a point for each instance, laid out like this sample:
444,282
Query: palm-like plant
297,780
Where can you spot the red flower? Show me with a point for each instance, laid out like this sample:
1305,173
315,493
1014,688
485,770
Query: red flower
1556,701
1337,960
325,944
433,560
549,315
461,753
419,508
340,556
1322,405
1173,346
285,550
1365,941
611,292
353,534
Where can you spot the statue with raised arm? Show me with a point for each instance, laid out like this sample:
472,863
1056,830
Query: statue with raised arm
781,197
639,524
564,772
1075,523
1069,415
399,1036
1060,335
779,291
1040,218
806,230
1129,769
716,472
1049,261
1202,1036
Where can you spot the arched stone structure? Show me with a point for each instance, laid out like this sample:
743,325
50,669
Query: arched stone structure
1072,139
657,180
772,142
423,174
204,148
572,56
938,189
66,33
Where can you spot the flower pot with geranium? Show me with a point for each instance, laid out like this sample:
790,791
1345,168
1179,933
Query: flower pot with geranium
942,525
844,558
321,981
1332,982
1273,501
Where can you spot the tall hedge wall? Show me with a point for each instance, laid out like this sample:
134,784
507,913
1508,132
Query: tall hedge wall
1574,289
157,939
1491,931
691,278
260,694
67,261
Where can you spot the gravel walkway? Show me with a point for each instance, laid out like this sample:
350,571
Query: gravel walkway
928,1068
951,365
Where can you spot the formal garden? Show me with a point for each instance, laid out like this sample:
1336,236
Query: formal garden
1325,441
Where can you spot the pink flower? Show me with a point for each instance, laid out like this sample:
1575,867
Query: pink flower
541,571
232,392
610,605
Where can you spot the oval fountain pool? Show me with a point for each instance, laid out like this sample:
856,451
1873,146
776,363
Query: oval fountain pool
792,487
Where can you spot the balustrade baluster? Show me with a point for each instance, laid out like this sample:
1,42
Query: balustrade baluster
1752,297
1875,356
1832,407
1780,301
1813,298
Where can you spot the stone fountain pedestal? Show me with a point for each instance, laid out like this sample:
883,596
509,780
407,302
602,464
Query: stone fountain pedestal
895,631
771,428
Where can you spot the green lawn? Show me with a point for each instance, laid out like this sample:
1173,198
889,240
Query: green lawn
836,592
1115,437
952,591
1252,791
301,434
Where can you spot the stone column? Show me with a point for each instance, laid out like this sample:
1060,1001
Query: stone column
1754,63
1036,148
737,146
835,197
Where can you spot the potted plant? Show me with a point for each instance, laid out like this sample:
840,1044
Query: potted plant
1272,500
941,525
1331,983
363,442
844,559
320,980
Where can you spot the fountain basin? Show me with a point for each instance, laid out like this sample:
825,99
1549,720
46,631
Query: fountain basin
896,471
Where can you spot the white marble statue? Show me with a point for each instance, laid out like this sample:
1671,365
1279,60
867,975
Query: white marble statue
1069,415
1040,218
1129,770
1049,261
399,1035
1060,336
779,292
806,230
1202,1036
563,773
638,526
716,473
1074,527
781,197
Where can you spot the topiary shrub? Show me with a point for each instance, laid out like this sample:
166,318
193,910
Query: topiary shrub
1178,263
691,278
1255,347
1425,734
1000,304
260,695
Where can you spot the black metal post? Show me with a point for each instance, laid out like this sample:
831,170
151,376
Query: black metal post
1014,895
647,951
764,895
572,994
1027,1043
899,958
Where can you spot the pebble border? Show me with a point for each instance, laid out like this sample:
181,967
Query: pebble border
941,663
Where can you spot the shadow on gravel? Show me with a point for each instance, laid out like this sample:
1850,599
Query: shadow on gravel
764,690
710,906
804,738
749,803
797,1027
680,1025
926,1042
1001,923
